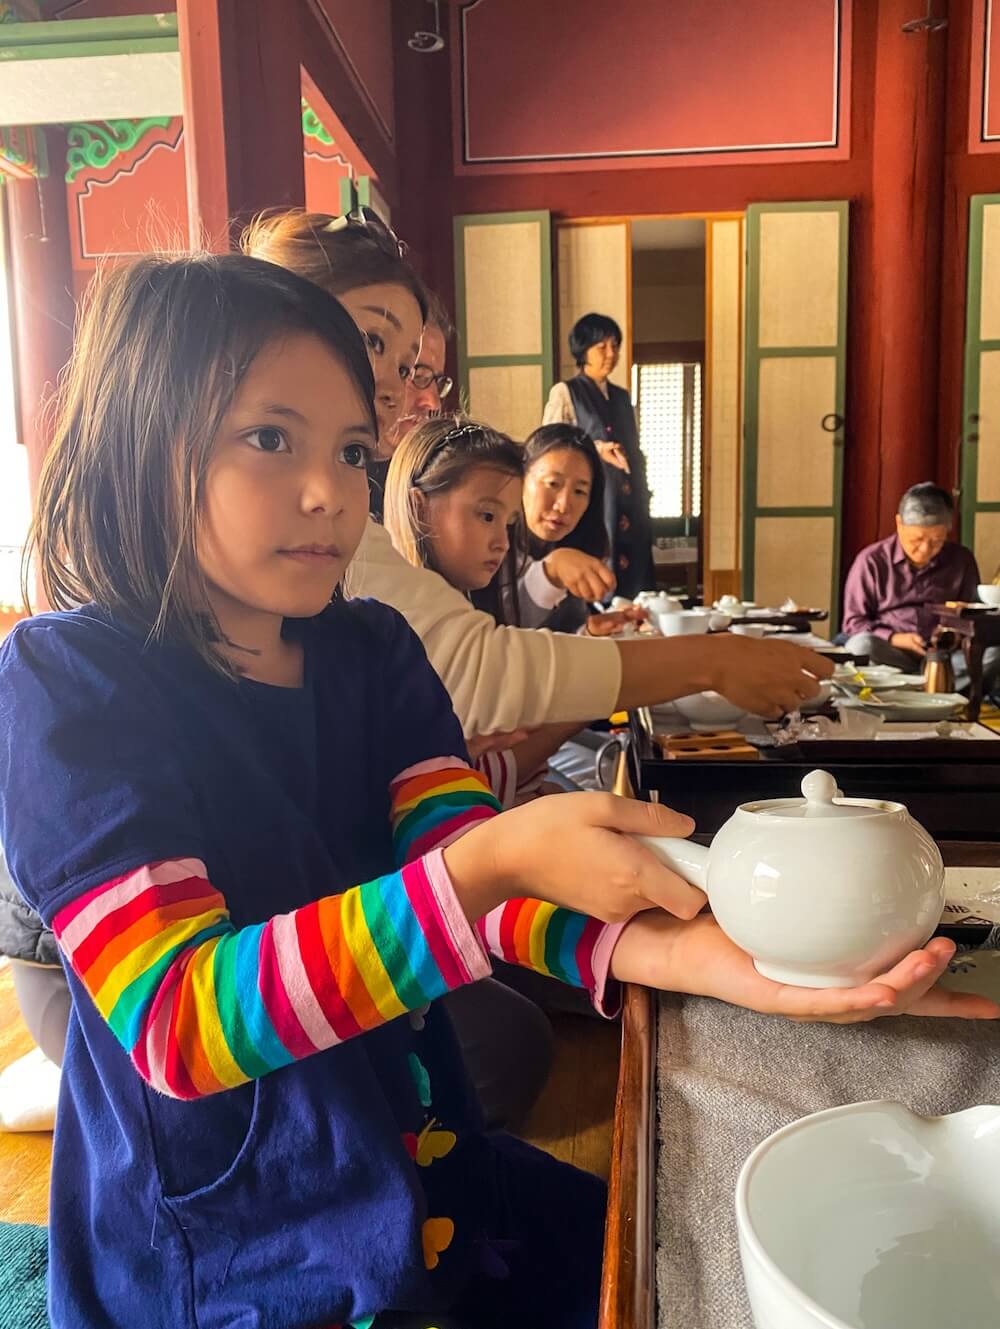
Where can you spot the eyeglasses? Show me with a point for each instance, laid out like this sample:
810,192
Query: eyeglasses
422,376
365,218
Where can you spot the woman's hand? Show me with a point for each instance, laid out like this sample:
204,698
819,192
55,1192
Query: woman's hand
573,850
613,453
580,574
698,958
768,678
606,625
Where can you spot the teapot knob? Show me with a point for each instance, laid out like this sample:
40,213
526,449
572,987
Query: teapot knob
820,787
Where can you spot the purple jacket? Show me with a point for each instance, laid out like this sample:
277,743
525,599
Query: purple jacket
885,593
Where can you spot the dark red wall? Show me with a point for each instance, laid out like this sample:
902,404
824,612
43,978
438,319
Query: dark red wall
909,177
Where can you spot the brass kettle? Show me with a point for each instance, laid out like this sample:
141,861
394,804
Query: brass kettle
939,673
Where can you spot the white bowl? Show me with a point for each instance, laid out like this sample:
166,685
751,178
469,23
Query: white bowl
989,595
819,701
708,710
869,1217
756,630
683,624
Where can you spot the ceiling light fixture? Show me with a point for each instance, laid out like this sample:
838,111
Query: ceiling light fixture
426,43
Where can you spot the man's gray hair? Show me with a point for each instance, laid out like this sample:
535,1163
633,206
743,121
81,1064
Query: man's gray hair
926,505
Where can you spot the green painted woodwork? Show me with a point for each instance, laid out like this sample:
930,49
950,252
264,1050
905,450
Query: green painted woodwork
546,357
135,35
95,145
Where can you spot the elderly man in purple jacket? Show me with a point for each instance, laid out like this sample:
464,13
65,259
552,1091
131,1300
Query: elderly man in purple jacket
894,582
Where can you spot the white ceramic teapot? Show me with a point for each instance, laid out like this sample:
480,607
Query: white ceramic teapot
822,891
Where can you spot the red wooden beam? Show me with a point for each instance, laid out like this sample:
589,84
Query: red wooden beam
240,69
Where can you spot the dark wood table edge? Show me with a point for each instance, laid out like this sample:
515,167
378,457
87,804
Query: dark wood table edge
628,1282
628,1295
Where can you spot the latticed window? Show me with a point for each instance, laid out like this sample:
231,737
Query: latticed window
667,399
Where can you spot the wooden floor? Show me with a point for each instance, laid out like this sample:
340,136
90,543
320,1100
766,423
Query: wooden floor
571,1120
24,1159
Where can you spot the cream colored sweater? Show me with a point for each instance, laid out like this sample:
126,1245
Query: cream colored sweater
499,678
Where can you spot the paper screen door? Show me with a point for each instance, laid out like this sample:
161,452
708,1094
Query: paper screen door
503,273
981,403
796,322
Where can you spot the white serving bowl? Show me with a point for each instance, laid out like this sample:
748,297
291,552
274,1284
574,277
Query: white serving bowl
989,595
869,1217
708,710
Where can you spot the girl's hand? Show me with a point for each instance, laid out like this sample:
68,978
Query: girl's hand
573,850
606,625
698,958
613,453
578,573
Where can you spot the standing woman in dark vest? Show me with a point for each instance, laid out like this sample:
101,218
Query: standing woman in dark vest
605,412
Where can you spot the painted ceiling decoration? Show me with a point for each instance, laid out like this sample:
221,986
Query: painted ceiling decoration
23,154
313,126
97,145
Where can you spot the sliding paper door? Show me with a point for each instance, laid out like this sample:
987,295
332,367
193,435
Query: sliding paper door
981,404
503,271
796,321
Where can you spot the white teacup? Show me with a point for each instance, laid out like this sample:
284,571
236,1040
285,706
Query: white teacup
683,624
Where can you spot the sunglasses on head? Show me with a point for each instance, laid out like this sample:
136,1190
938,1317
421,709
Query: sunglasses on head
367,220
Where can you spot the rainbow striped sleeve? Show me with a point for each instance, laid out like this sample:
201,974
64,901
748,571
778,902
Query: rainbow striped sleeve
548,939
436,802
201,1006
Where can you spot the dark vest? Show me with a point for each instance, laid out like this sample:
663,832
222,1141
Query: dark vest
626,497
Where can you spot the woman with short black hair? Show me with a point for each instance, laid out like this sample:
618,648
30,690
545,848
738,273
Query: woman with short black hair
605,412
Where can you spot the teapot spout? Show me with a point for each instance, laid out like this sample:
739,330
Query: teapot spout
687,859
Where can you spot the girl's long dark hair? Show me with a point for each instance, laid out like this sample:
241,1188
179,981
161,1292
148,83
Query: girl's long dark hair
433,458
160,353
590,534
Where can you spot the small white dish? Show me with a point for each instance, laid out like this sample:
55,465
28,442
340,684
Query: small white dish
870,1217
708,710
989,595
755,630
909,705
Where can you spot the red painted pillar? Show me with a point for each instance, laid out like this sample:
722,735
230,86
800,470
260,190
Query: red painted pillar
241,76
41,282
907,183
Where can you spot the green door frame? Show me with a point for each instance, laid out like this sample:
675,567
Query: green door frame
546,358
974,348
753,355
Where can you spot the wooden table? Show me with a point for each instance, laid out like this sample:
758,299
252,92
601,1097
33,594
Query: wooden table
628,1286
953,789
978,629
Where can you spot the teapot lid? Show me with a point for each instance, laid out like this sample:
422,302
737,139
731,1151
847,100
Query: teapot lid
823,799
